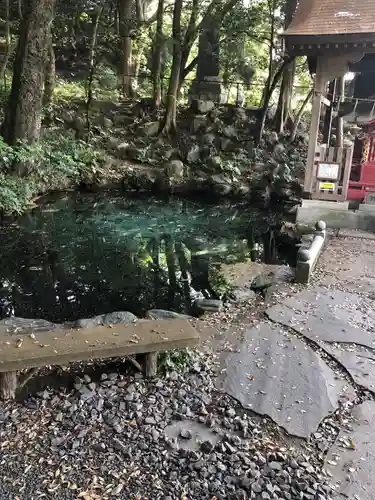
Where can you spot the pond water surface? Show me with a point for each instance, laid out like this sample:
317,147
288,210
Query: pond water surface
81,256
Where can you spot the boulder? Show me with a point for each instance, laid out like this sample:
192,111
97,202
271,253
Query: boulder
199,122
208,139
193,154
225,144
241,295
202,106
214,163
278,151
150,129
114,318
174,169
221,184
209,305
164,314
230,132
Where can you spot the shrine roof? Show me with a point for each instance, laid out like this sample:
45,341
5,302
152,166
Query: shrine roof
332,17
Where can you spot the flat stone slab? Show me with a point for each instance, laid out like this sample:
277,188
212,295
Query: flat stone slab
352,470
276,374
357,361
327,315
63,346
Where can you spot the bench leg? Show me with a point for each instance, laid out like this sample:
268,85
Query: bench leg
151,364
8,385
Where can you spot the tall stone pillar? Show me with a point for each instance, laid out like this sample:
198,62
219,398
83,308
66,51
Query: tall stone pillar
208,84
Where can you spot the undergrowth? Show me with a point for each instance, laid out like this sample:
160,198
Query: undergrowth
55,162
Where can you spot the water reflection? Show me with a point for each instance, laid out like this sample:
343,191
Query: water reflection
87,255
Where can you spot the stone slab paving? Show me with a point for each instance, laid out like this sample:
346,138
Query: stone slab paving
328,315
351,460
359,362
274,373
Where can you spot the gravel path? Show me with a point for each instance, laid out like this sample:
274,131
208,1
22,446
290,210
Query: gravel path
109,439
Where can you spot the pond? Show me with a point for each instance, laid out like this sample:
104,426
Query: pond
85,255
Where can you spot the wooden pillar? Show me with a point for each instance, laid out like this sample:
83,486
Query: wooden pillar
319,87
327,130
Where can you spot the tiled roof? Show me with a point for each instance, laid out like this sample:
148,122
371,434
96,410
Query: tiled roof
331,17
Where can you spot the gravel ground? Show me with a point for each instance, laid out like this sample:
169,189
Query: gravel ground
107,439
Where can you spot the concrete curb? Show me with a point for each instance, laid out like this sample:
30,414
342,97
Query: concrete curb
307,258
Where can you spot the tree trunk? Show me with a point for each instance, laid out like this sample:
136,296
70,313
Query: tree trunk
286,90
4,62
299,115
156,66
284,105
50,75
24,110
126,47
169,125
92,54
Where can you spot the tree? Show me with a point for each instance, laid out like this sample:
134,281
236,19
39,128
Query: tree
156,66
283,113
169,125
24,109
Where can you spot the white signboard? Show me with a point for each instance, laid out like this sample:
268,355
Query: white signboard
328,171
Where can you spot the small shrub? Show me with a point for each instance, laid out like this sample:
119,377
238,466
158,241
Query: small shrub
175,360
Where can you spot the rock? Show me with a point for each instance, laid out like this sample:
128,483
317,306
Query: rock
198,122
107,122
209,305
209,139
186,434
193,154
242,295
214,163
262,281
221,184
118,317
164,314
278,151
230,132
175,169
150,129
225,144
202,106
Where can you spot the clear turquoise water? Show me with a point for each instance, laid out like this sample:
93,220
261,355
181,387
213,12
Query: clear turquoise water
87,255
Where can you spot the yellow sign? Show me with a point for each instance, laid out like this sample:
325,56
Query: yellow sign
326,186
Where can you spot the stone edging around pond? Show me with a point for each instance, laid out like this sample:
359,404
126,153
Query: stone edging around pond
307,258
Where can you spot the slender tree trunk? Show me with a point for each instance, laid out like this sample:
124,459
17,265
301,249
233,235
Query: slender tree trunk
190,36
24,110
4,62
92,54
299,115
50,75
156,69
19,8
284,105
267,93
126,47
169,125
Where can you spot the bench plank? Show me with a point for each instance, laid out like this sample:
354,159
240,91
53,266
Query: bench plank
63,346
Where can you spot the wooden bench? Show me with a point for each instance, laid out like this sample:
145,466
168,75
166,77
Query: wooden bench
26,350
